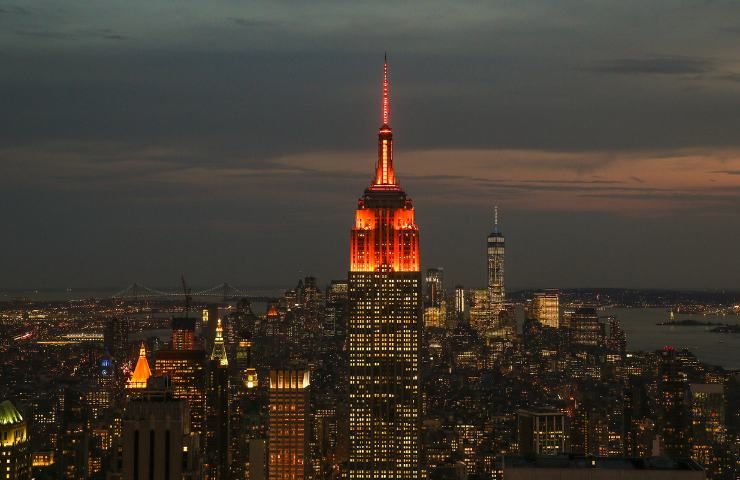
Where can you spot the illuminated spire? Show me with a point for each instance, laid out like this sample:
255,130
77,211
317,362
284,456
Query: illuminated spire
219,350
386,101
142,372
495,218
385,177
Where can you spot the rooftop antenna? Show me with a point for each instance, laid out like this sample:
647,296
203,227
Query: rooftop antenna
386,101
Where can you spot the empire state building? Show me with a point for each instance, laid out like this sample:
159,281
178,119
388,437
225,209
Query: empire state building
384,325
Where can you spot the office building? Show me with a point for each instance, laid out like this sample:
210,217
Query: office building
384,325
434,282
337,308
673,403
709,428
546,308
157,442
459,301
288,422
186,370
542,432
183,334
115,338
218,458
495,252
585,328
15,455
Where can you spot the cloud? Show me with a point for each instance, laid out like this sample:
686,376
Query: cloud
657,65
80,34
728,172
14,10
251,22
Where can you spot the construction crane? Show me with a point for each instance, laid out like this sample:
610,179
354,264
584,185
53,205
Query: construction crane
186,291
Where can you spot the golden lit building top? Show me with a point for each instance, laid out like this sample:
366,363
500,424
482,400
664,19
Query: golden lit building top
289,379
12,425
142,372
250,378
219,349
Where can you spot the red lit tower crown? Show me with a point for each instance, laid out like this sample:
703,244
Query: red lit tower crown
385,237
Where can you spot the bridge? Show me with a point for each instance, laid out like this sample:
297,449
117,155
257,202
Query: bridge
137,291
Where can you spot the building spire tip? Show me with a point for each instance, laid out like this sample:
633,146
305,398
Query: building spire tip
386,101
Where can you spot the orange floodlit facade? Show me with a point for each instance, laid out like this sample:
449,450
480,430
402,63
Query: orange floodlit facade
385,236
141,372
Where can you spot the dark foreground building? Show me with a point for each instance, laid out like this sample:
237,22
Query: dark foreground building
571,467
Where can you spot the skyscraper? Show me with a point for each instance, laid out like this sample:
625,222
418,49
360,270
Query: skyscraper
384,325
156,440
585,328
460,300
546,308
15,455
288,422
542,431
183,333
217,407
496,250
435,293
435,309
674,422
116,338
187,372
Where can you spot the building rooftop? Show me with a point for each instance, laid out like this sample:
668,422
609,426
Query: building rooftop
9,415
611,463
142,372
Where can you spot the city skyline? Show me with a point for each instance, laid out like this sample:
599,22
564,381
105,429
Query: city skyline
538,281
126,149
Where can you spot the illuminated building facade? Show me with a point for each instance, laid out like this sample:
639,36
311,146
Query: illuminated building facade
15,455
435,311
585,328
218,456
183,333
546,308
384,325
617,340
460,301
209,321
673,403
116,338
336,309
141,371
435,293
287,424
481,317
542,432
187,372
495,252
708,427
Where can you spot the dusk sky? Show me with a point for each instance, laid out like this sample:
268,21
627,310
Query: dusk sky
230,140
